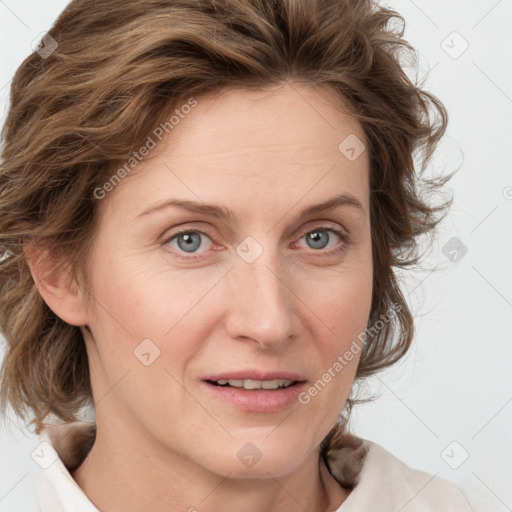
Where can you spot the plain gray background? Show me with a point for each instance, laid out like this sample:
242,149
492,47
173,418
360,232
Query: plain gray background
447,407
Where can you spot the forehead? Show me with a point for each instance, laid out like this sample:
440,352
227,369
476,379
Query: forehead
308,118
253,146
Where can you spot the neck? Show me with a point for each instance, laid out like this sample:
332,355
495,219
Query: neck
132,474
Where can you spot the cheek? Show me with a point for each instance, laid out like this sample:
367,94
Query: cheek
343,304
342,310
138,300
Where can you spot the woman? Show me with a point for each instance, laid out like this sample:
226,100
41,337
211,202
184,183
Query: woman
202,206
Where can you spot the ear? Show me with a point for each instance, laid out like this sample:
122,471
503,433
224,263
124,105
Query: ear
53,279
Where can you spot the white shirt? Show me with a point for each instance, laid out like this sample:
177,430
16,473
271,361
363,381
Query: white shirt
383,483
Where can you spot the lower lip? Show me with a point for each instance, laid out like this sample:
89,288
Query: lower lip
257,400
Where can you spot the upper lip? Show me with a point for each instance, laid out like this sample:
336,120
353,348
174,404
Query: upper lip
255,375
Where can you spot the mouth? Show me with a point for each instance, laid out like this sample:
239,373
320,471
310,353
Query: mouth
255,391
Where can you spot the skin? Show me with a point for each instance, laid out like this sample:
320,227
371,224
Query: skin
163,443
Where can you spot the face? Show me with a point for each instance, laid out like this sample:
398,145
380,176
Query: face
191,302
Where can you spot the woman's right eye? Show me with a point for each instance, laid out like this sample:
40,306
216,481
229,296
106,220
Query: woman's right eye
187,241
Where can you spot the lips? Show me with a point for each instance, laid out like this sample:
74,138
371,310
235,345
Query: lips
254,390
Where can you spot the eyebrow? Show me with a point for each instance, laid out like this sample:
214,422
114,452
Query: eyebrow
226,214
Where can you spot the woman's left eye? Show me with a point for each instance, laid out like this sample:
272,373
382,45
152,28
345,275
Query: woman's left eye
190,241
319,238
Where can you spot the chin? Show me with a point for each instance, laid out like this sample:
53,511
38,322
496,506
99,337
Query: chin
259,459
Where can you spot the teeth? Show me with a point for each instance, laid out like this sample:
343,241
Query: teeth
256,384
270,384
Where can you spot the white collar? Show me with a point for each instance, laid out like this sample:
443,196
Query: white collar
388,484
379,479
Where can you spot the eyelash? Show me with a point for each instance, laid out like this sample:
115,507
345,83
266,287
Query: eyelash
344,237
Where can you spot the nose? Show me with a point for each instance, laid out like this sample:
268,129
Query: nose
262,304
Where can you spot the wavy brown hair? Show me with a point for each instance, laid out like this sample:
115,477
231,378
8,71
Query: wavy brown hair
77,114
